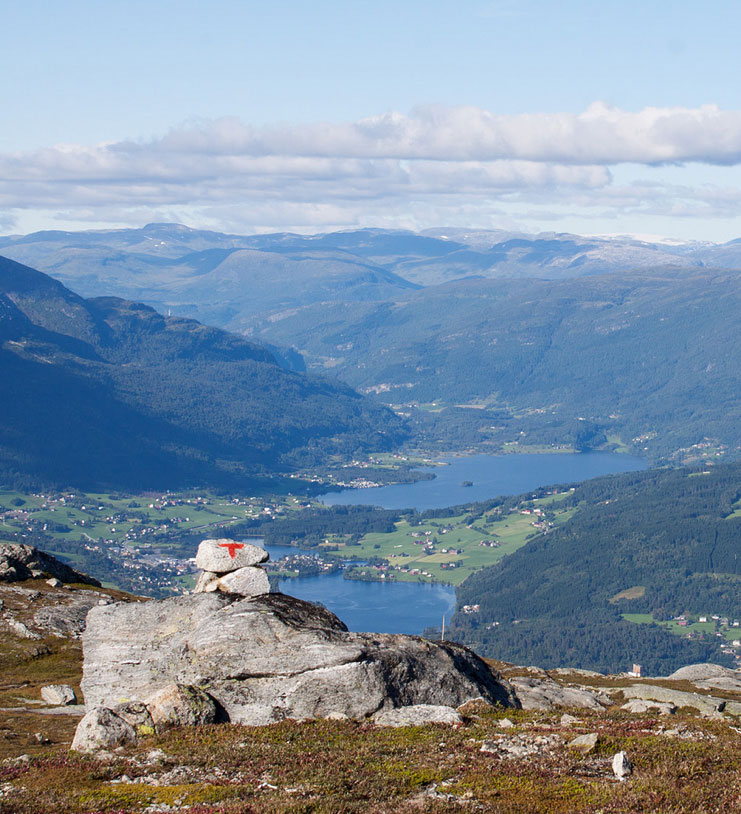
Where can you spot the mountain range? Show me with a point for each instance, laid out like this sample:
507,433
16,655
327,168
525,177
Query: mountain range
648,356
229,280
480,338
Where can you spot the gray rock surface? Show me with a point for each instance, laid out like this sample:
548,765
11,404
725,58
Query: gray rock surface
640,706
585,743
272,657
248,581
709,676
706,704
101,728
538,693
417,715
66,617
567,720
223,555
695,672
177,705
137,716
58,695
521,746
206,579
19,562
21,629
577,671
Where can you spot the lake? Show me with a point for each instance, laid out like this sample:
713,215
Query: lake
370,606
408,607
490,475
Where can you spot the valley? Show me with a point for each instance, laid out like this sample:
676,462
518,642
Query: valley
631,561
487,341
166,430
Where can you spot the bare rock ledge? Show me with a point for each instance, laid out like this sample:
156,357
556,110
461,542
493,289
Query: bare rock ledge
269,657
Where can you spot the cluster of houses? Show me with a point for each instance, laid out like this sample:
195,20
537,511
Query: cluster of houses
132,528
357,483
302,565
723,626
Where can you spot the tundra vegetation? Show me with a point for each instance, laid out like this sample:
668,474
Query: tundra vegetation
498,759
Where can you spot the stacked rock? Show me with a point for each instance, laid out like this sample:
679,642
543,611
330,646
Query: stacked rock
232,568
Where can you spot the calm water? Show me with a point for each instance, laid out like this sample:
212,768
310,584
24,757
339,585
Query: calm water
491,475
400,607
408,607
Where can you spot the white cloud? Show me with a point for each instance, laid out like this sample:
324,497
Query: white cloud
600,135
435,162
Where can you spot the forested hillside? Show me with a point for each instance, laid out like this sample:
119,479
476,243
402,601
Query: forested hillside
647,356
482,338
106,392
654,545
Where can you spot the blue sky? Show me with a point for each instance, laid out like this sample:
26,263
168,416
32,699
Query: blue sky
244,116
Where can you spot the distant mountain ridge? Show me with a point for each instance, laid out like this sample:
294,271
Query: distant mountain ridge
553,338
107,392
232,280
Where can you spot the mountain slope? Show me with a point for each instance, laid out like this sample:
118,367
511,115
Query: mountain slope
642,354
109,392
658,544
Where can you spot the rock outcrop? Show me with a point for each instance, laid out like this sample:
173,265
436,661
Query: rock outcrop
222,555
58,695
709,677
269,657
705,704
19,562
417,715
545,693
102,728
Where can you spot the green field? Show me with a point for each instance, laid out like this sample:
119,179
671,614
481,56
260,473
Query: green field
708,628
402,549
127,519
736,510
441,549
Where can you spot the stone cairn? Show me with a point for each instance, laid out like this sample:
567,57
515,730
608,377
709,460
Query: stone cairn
232,568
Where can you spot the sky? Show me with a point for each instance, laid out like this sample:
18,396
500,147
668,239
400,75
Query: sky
569,116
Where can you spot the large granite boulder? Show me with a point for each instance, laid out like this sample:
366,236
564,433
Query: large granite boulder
19,562
271,657
101,728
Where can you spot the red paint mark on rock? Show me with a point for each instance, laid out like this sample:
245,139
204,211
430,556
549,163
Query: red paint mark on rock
232,547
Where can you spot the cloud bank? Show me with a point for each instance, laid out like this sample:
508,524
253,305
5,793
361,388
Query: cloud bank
600,135
433,160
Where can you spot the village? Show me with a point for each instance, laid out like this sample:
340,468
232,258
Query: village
699,625
144,541
447,549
